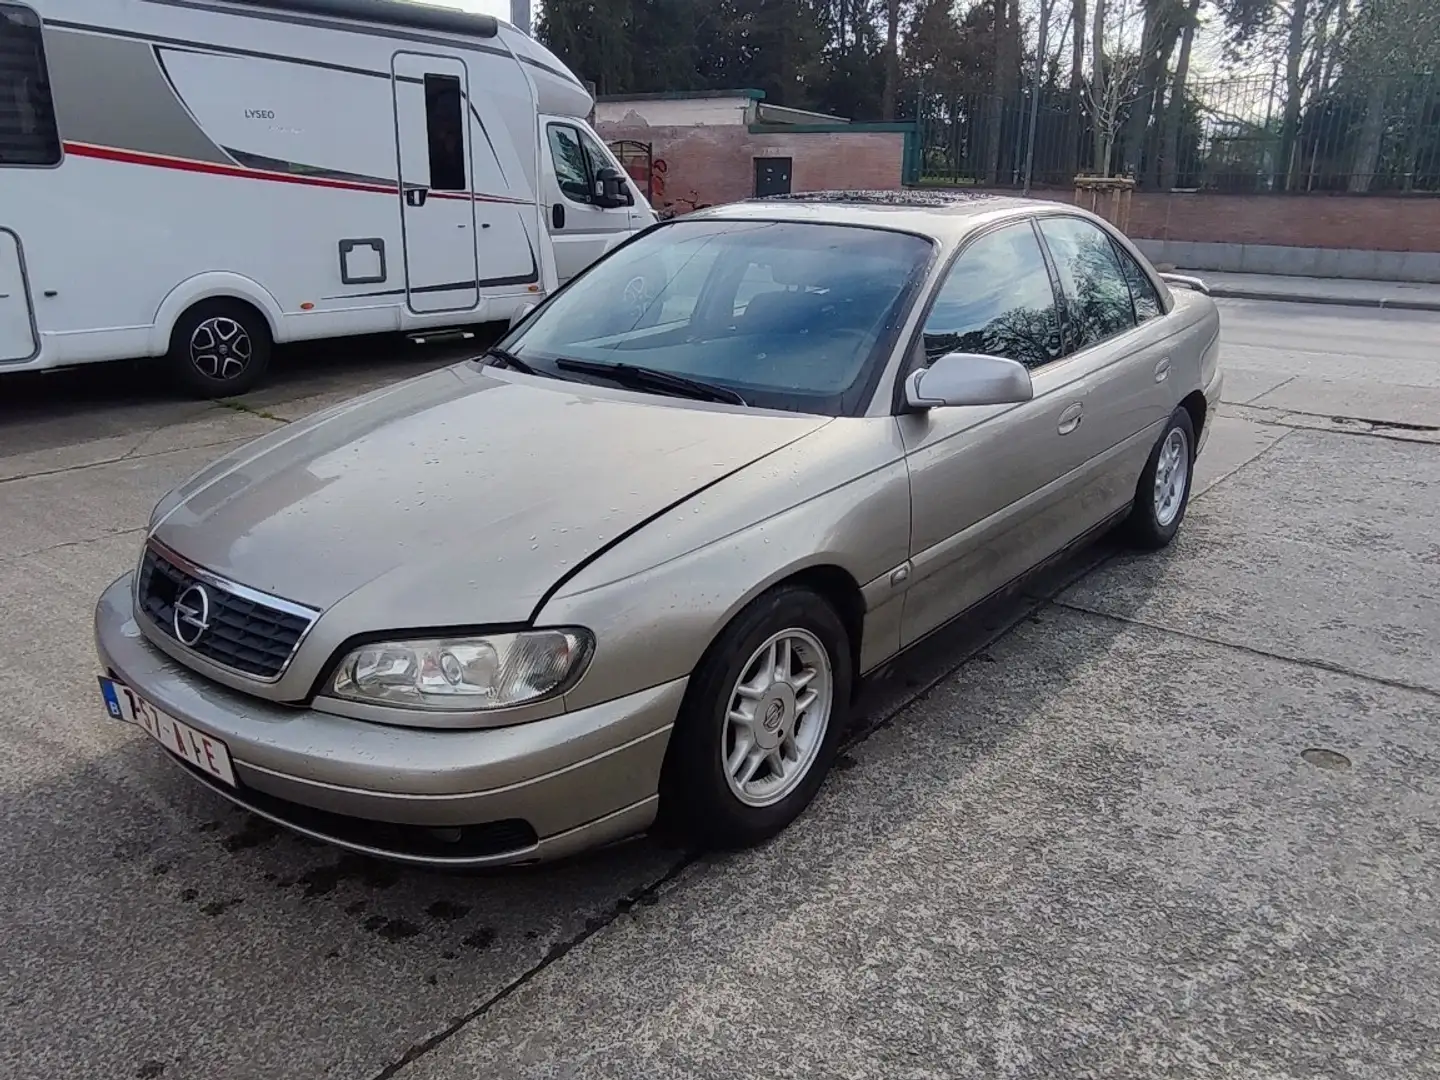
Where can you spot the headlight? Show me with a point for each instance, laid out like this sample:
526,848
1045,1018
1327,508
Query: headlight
493,671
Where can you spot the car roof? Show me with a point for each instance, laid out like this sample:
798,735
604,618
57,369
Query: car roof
944,215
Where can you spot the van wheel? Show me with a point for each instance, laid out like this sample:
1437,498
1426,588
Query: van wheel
760,722
219,348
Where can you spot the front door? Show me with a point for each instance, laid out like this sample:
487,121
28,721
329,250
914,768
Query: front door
17,327
993,487
437,208
772,176
580,230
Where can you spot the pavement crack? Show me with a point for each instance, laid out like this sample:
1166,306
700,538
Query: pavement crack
1297,661
645,895
7,559
242,407
1264,393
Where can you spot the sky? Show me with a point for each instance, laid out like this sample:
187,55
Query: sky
500,8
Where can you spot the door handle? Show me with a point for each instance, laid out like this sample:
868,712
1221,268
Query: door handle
1162,370
1070,418
415,196
557,215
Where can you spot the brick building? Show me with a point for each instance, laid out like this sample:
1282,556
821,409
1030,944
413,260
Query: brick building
702,148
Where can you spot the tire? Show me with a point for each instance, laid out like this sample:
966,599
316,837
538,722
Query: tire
1159,509
699,801
219,348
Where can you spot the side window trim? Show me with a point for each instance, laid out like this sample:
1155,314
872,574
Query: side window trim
1062,307
1126,259
1071,348
29,14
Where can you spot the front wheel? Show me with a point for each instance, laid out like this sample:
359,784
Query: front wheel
1163,493
762,717
219,348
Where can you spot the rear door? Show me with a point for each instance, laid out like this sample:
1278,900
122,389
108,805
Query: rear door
1125,358
437,206
17,325
580,230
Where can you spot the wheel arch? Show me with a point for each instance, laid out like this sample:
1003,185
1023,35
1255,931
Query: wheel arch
1195,404
213,285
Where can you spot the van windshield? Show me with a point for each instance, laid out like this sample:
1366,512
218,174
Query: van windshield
789,315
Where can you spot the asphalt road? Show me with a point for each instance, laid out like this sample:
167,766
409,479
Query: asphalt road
1166,816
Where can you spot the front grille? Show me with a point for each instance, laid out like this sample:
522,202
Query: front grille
244,634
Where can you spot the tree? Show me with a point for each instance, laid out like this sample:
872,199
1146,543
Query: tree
892,59
1174,111
1391,39
1114,85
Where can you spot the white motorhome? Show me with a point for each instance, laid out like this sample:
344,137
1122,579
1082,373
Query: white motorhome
201,179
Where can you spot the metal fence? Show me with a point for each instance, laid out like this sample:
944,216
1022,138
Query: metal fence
1358,135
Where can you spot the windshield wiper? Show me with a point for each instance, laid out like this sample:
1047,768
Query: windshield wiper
645,378
508,359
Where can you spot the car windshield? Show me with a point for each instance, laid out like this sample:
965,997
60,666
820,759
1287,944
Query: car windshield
788,315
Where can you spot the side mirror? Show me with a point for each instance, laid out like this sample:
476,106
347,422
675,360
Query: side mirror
610,189
968,379
522,312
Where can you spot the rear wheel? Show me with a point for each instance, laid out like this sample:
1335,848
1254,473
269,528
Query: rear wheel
219,348
762,717
1163,494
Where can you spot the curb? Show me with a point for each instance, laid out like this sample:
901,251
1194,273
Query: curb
1386,302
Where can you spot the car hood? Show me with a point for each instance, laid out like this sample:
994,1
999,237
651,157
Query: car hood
456,498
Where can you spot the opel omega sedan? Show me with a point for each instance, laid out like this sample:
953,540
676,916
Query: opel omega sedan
631,564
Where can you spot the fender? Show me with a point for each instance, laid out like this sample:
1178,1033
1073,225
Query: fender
212,283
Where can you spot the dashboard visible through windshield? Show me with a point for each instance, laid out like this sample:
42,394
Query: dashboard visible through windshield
786,315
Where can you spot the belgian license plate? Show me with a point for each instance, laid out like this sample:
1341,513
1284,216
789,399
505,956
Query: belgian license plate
206,753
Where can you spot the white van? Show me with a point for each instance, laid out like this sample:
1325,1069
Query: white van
201,179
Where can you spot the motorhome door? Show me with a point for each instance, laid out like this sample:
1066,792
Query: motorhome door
437,208
17,324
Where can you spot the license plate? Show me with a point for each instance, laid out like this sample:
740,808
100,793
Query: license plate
206,753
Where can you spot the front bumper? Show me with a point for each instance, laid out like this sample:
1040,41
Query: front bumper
526,793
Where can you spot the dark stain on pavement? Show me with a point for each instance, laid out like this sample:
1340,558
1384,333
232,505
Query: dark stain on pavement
481,939
447,911
391,929
252,834
322,880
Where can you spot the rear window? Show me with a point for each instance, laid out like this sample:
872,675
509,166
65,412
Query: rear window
27,116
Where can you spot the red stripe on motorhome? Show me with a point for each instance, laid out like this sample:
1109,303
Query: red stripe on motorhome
212,168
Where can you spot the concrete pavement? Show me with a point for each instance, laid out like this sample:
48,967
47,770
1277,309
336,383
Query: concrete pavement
1398,295
1172,815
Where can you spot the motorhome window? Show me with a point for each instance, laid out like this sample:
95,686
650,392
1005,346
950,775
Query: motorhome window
27,115
445,120
571,168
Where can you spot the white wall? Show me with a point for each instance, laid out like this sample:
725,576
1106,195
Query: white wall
683,112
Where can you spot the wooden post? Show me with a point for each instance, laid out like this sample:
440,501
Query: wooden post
1116,210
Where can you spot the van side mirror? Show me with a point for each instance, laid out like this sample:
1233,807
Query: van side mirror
522,312
968,379
610,189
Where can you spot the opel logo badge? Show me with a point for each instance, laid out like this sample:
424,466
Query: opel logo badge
773,715
192,615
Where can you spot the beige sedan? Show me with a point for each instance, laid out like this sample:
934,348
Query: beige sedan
633,562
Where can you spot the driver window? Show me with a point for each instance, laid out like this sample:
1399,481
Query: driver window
998,301
571,167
